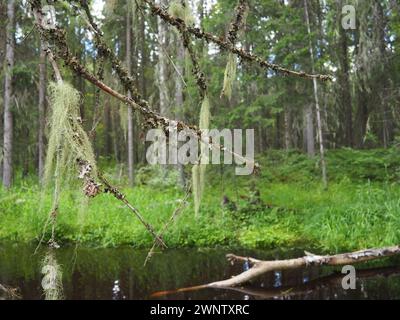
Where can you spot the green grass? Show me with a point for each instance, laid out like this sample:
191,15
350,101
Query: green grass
360,209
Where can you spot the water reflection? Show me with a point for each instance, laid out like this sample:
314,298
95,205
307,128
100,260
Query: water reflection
119,274
117,292
52,276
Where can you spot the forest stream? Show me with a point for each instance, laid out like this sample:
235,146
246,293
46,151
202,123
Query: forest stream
118,273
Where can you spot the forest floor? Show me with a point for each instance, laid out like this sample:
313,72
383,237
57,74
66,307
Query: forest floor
360,209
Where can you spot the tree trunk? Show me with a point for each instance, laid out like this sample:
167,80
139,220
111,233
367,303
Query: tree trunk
162,64
309,137
144,58
179,99
109,129
346,119
8,93
317,108
41,111
130,111
287,123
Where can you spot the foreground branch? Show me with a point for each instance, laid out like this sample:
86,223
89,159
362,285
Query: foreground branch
120,196
260,267
227,46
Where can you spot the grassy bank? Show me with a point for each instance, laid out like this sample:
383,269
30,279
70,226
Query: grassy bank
360,209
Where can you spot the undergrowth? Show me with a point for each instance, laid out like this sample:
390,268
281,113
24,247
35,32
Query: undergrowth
284,206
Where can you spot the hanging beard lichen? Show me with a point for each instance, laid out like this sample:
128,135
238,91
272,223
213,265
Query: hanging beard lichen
180,9
68,142
52,277
229,76
199,170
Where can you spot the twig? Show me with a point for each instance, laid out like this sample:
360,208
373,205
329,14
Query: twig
174,215
121,197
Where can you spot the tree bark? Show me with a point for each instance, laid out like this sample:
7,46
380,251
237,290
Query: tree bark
309,136
346,119
287,124
8,93
179,99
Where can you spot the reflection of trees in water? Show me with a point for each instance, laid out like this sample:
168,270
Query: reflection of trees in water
52,277
93,274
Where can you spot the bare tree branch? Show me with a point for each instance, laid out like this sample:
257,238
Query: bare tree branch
261,267
227,46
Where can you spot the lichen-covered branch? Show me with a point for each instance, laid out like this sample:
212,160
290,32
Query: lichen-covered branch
92,189
151,119
226,46
173,217
196,70
238,21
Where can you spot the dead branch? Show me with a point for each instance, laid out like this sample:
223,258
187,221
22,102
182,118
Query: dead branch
226,46
121,197
261,267
196,70
92,189
238,21
173,217
313,285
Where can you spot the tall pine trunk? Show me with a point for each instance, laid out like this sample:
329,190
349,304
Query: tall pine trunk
308,132
179,98
130,111
316,97
345,101
162,64
8,93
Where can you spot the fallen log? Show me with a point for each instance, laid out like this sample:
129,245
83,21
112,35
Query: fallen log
260,267
313,286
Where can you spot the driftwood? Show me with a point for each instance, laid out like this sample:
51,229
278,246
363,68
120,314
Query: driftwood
261,267
314,286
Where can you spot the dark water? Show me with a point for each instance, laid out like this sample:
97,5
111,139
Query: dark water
119,274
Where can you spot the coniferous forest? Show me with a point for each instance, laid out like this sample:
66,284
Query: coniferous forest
147,144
